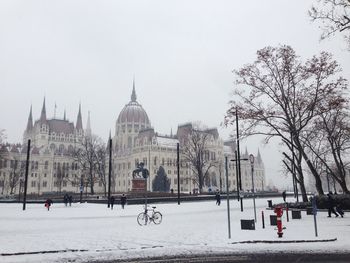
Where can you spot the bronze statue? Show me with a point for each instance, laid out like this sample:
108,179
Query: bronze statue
144,172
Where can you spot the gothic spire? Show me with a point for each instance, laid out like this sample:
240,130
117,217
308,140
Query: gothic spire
259,156
79,125
88,127
133,94
43,113
64,115
30,120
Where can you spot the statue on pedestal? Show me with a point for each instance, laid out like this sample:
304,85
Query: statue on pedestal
144,172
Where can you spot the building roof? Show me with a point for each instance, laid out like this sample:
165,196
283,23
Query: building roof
133,112
61,126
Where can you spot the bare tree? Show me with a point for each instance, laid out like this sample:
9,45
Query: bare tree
196,151
334,16
284,96
101,165
86,154
17,171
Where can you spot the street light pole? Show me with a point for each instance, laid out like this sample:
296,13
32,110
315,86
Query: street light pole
251,158
228,200
238,179
238,158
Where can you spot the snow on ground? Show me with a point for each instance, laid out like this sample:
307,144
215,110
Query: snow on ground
189,228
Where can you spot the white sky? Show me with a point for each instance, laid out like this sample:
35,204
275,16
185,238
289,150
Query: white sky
181,53
186,229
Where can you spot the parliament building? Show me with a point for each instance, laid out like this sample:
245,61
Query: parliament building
52,167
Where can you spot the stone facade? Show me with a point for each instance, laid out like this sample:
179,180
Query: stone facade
52,168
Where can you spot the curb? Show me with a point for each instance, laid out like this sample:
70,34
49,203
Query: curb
283,241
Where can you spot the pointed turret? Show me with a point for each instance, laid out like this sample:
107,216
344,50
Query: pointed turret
79,125
133,94
30,121
259,157
88,127
43,113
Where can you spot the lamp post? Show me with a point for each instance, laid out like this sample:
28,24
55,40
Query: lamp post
251,159
238,178
228,200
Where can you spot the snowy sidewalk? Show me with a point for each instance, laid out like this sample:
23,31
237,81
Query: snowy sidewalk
86,232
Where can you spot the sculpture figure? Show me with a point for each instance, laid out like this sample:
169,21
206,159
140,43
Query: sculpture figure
144,172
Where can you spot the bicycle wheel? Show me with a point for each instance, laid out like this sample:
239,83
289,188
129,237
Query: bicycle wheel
157,218
142,219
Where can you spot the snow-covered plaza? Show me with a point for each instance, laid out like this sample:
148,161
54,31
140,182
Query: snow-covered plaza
87,232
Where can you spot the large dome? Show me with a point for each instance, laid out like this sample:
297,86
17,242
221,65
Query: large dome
133,112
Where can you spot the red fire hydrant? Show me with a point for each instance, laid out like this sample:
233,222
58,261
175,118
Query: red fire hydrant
279,211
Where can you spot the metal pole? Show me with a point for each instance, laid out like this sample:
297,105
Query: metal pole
149,168
314,211
296,194
109,173
252,166
178,173
237,178
26,177
228,200
239,160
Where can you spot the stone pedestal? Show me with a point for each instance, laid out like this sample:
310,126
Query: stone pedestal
139,185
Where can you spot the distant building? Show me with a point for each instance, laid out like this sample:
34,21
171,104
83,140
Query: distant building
53,169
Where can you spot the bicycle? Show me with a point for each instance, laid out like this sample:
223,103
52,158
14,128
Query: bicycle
144,217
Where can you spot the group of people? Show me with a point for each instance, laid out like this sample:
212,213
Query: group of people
122,201
67,199
333,207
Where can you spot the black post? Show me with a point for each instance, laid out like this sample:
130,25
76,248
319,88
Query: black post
237,178
26,177
263,219
296,194
109,172
178,173
228,200
239,161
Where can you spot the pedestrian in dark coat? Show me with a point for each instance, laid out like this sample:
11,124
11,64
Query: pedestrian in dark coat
123,200
48,203
112,201
65,199
218,198
284,195
339,210
331,205
70,200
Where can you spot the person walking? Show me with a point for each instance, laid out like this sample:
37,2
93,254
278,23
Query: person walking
123,200
284,195
65,199
70,200
331,205
112,201
218,197
48,203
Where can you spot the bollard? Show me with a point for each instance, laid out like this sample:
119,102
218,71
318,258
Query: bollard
279,212
263,219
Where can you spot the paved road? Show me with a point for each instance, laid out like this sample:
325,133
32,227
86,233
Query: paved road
244,258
